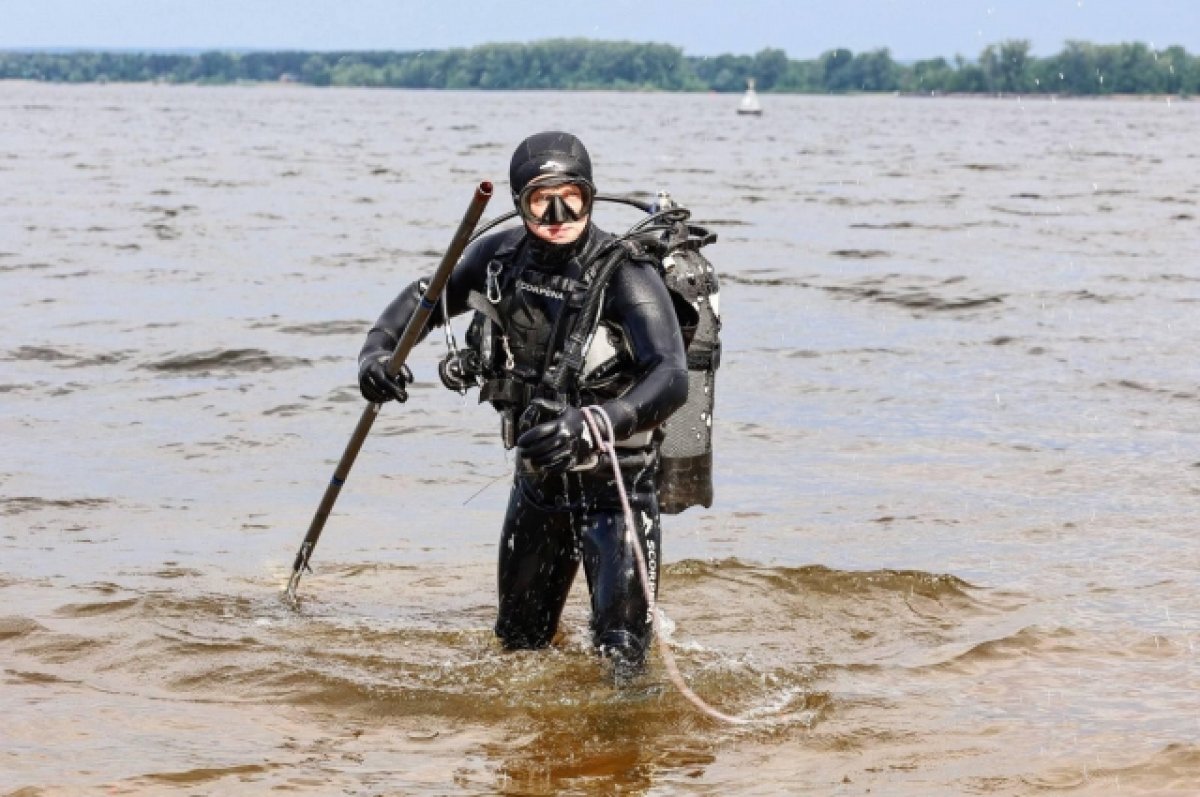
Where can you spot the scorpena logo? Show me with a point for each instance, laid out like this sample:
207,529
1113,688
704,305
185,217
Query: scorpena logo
541,290
651,562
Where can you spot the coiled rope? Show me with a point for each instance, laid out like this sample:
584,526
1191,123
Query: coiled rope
602,433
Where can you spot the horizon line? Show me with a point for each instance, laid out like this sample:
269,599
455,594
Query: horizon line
235,49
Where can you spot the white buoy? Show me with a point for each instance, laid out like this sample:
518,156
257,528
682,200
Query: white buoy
750,106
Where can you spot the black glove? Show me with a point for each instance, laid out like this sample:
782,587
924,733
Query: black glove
559,444
376,385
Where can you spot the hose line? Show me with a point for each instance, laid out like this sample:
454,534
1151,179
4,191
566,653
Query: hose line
602,432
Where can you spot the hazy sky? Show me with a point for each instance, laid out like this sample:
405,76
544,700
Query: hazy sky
804,28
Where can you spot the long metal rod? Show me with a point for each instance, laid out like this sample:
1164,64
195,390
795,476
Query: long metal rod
412,333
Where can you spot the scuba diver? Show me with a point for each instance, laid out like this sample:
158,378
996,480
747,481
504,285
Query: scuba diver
539,359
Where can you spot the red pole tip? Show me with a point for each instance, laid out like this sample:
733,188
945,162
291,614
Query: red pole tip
485,188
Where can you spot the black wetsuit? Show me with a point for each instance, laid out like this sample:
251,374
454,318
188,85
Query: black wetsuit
556,521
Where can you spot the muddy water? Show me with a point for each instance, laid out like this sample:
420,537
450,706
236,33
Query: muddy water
953,546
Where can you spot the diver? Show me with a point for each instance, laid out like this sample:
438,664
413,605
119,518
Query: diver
529,287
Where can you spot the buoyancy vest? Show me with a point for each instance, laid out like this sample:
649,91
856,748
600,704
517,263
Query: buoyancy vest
521,329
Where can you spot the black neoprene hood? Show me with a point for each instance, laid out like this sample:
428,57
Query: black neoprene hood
550,153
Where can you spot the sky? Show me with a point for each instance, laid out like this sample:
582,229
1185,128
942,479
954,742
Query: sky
910,29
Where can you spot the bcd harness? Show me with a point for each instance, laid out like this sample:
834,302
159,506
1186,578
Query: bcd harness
539,335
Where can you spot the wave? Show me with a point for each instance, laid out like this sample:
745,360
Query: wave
17,627
18,505
195,777
1027,641
39,353
722,223
1173,769
922,293
288,410
912,225
204,647
51,354
24,677
97,608
821,579
226,360
1132,384
743,279
1086,295
824,621
860,254
347,327
1168,277
21,266
1031,213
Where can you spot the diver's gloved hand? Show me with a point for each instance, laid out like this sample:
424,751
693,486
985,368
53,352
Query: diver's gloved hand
374,382
559,444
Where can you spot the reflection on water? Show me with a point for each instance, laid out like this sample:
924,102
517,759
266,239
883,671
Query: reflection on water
956,447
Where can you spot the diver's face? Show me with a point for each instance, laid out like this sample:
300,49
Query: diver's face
567,231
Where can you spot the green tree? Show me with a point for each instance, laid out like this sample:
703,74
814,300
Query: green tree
801,76
933,75
1080,68
837,70
1183,71
1006,67
770,66
315,71
967,77
1077,68
724,72
1135,70
875,71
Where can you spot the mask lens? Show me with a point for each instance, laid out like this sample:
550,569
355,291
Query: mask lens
536,199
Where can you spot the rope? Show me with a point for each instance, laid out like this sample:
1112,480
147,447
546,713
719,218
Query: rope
605,438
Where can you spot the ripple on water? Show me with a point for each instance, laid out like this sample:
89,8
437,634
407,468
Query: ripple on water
16,627
18,505
66,357
220,360
915,292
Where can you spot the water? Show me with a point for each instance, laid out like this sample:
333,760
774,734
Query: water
952,550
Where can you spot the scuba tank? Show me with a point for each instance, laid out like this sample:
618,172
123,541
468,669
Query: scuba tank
685,475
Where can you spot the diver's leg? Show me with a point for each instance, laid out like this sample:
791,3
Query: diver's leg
621,624
538,562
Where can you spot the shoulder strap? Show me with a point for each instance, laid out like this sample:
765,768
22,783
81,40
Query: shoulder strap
564,376
477,301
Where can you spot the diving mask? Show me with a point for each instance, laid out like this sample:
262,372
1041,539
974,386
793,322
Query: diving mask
556,200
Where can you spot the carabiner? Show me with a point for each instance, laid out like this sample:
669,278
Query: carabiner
493,281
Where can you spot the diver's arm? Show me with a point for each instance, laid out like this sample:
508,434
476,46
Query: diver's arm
469,274
640,304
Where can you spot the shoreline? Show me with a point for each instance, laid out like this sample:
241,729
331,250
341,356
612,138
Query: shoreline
1036,95
920,95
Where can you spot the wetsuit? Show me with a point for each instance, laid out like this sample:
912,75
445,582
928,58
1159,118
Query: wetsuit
556,521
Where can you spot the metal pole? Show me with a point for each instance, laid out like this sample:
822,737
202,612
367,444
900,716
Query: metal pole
412,333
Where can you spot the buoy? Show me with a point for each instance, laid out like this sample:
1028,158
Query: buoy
750,106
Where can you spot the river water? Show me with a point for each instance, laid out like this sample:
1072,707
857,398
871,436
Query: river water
953,548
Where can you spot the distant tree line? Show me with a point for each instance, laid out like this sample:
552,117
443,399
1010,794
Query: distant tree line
1079,69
